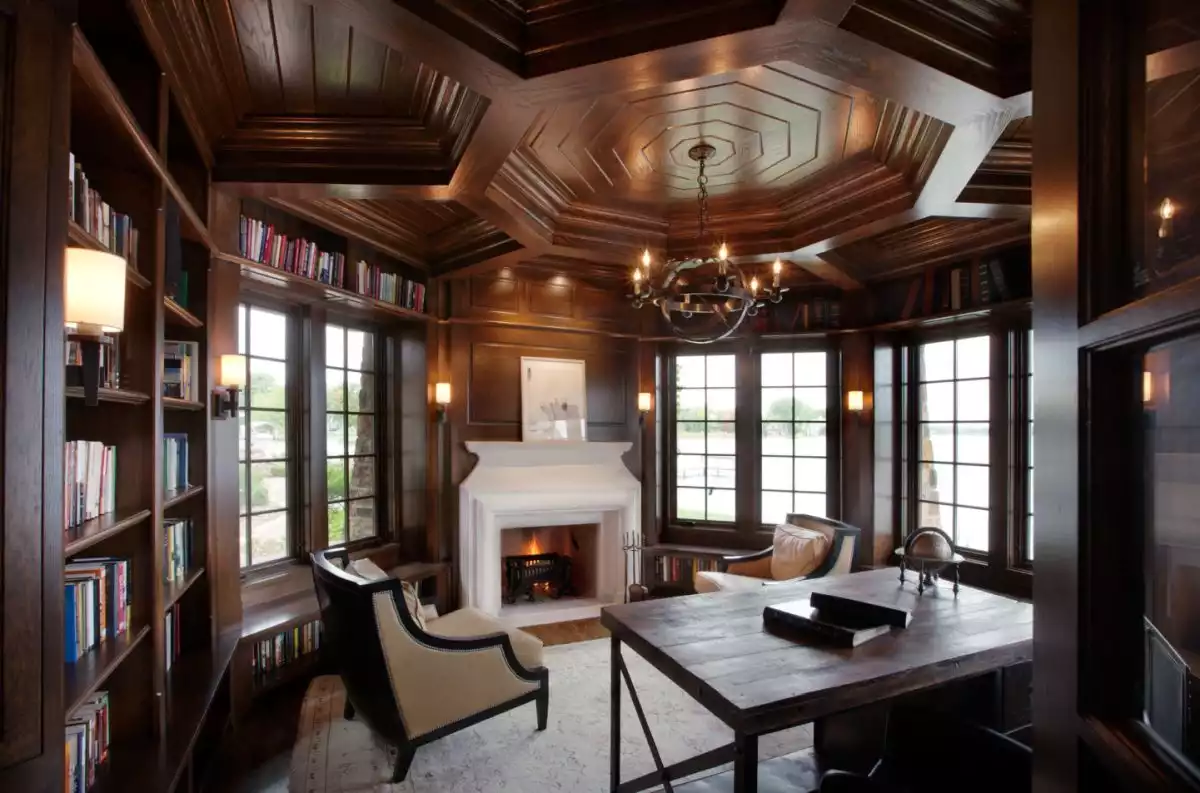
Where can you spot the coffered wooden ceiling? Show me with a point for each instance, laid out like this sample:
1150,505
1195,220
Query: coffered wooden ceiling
853,139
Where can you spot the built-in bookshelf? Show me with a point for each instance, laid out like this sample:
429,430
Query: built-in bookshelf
282,253
144,632
973,287
668,568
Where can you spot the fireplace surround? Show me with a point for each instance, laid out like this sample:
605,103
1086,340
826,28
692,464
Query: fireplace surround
558,483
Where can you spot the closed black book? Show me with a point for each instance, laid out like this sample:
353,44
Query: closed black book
838,621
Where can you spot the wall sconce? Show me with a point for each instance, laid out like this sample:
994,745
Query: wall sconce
441,396
93,305
231,379
855,401
644,405
1166,214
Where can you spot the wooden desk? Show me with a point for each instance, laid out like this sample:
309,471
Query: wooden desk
715,648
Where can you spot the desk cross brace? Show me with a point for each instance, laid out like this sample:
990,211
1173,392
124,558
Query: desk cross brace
662,775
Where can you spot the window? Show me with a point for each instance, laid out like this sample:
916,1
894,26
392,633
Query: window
264,449
794,435
953,439
350,434
705,445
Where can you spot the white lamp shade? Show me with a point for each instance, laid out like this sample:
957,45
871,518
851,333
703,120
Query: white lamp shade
95,291
233,371
441,393
644,401
854,401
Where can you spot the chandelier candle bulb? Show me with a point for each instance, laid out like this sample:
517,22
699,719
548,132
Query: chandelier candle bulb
754,285
776,269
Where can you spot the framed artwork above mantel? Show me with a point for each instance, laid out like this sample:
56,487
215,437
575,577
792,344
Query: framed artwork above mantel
553,399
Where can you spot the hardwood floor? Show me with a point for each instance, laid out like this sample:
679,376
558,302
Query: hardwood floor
568,632
256,758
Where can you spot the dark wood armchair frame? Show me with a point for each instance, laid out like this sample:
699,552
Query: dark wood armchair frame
842,533
348,615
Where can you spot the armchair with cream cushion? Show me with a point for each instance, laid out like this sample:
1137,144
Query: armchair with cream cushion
414,681
804,547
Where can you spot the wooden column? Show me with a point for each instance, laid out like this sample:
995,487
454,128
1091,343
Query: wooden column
858,441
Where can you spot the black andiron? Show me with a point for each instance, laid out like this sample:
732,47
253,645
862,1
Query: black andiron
521,573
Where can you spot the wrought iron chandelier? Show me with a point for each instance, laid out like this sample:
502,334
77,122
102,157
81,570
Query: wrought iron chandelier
703,299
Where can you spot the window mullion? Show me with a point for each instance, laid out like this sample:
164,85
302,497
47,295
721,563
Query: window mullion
747,463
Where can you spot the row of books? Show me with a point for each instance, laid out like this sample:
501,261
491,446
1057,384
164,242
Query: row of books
175,461
281,649
681,568
172,639
181,370
114,230
177,549
371,281
86,749
96,604
90,481
110,362
259,242
955,288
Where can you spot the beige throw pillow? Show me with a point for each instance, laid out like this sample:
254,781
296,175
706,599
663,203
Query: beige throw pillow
367,569
797,551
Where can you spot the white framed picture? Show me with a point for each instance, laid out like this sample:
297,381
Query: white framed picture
553,399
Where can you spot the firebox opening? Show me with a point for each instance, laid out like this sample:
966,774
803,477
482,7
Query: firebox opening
548,563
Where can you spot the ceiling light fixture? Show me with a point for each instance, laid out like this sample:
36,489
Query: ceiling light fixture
703,299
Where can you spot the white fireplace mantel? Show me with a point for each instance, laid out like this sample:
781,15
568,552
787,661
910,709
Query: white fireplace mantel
550,483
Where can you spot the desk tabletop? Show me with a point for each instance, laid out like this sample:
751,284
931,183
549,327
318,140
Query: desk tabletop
715,647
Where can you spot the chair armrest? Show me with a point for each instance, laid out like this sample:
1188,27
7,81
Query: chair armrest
438,680
339,555
725,563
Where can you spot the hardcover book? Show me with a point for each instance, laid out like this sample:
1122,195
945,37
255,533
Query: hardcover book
831,619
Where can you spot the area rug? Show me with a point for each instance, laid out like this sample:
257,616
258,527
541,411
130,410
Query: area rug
506,754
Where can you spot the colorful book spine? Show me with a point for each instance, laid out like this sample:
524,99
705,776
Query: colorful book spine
260,242
373,282
274,652
90,481
87,739
96,603
177,549
115,231
181,374
175,461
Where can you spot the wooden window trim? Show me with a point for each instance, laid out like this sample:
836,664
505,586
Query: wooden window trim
747,531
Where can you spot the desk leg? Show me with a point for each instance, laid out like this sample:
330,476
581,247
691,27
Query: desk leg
745,763
614,761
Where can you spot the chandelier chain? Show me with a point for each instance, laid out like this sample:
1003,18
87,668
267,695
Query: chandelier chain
702,199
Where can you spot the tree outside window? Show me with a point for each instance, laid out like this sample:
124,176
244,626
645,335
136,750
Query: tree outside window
350,434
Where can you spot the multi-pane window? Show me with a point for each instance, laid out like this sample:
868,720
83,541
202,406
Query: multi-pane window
953,439
264,450
705,446
350,433
794,435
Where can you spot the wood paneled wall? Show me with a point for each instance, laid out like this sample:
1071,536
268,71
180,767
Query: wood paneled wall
496,319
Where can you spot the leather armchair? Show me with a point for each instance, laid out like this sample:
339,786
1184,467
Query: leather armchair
414,684
737,573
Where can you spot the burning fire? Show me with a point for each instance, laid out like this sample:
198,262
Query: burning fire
531,547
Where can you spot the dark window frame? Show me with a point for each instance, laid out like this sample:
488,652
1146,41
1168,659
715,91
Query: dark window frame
747,531
379,453
293,423
1002,567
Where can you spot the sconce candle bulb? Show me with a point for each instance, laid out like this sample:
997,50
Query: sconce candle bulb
231,379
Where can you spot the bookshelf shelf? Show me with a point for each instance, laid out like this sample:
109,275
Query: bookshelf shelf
119,395
315,291
77,235
99,529
86,675
279,615
103,92
192,685
178,315
174,497
950,317
174,403
174,590
670,549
